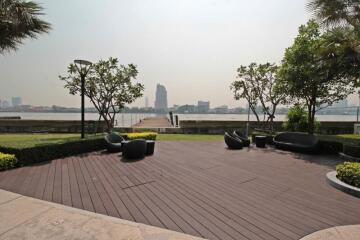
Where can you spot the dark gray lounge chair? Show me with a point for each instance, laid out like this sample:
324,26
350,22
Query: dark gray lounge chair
134,149
232,142
245,140
298,142
113,142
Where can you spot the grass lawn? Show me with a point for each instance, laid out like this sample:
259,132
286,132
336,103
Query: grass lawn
32,140
344,138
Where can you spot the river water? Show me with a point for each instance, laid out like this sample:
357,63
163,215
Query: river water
128,119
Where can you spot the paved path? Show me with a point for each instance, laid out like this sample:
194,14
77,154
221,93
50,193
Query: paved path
198,188
31,219
351,232
154,122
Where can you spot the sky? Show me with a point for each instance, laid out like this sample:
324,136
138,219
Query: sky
193,47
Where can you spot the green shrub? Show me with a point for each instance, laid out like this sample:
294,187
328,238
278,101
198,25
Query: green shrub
7,161
297,120
349,172
352,150
142,135
29,155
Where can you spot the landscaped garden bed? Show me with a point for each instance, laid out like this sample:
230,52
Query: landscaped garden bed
346,178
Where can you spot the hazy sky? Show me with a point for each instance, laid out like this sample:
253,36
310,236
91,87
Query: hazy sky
193,47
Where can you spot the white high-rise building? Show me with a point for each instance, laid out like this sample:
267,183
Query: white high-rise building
161,98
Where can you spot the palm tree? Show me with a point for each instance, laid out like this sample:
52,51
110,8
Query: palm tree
336,12
19,19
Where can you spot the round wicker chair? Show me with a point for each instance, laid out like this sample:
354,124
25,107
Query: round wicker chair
113,142
246,141
232,142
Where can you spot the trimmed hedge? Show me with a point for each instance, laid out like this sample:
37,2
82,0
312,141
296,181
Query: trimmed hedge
42,153
7,161
352,150
142,135
349,172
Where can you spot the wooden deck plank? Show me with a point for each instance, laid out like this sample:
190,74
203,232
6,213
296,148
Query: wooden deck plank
95,198
74,185
65,183
49,187
56,197
83,188
40,189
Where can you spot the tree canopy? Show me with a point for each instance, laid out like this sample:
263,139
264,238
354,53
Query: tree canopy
19,20
108,85
256,84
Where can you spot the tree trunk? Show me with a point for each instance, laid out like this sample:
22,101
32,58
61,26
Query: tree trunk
311,118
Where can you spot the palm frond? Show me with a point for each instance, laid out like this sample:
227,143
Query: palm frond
19,20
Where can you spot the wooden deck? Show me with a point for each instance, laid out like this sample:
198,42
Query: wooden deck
153,122
199,188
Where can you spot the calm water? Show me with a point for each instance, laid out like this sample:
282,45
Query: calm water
128,119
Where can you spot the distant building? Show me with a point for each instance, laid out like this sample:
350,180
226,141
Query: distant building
203,106
16,101
222,109
186,109
5,104
161,103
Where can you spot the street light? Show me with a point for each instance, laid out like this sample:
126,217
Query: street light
83,68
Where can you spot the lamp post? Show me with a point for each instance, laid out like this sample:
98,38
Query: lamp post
83,68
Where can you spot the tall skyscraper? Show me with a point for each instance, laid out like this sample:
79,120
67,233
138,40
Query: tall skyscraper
16,101
161,98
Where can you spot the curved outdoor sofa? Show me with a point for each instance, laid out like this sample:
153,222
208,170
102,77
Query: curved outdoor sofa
298,142
246,141
113,142
232,142
134,149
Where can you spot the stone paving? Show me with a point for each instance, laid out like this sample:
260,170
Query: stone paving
27,218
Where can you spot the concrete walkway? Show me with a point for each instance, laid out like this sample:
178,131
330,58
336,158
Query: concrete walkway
351,232
27,218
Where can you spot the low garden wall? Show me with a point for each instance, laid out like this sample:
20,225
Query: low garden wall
49,126
219,127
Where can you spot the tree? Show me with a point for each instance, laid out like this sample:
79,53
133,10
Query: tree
297,120
109,86
342,20
19,20
257,84
310,76
336,12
